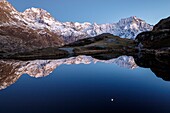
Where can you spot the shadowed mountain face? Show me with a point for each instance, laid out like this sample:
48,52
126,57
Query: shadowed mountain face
164,24
11,71
158,38
156,49
159,65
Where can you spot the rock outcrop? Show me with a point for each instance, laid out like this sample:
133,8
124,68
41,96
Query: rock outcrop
158,38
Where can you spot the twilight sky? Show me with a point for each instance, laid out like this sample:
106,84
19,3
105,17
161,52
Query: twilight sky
99,11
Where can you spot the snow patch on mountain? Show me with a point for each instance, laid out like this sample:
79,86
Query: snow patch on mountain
125,28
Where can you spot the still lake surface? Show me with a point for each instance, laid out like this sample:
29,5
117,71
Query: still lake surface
81,84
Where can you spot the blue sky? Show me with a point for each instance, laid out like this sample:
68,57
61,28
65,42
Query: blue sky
99,11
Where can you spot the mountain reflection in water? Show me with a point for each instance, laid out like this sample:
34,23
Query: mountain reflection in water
12,70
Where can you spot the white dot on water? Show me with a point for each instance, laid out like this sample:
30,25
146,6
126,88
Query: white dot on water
112,100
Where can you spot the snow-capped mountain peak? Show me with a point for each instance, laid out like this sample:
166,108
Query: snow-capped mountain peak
9,15
6,6
132,26
133,20
72,31
37,15
42,21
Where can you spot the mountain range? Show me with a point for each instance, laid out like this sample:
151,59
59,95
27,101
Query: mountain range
126,28
35,28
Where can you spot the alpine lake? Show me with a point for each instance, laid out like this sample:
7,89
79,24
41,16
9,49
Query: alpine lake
86,84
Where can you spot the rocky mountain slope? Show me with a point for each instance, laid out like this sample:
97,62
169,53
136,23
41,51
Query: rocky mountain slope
17,36
101,44
158,38
35,28
104,43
